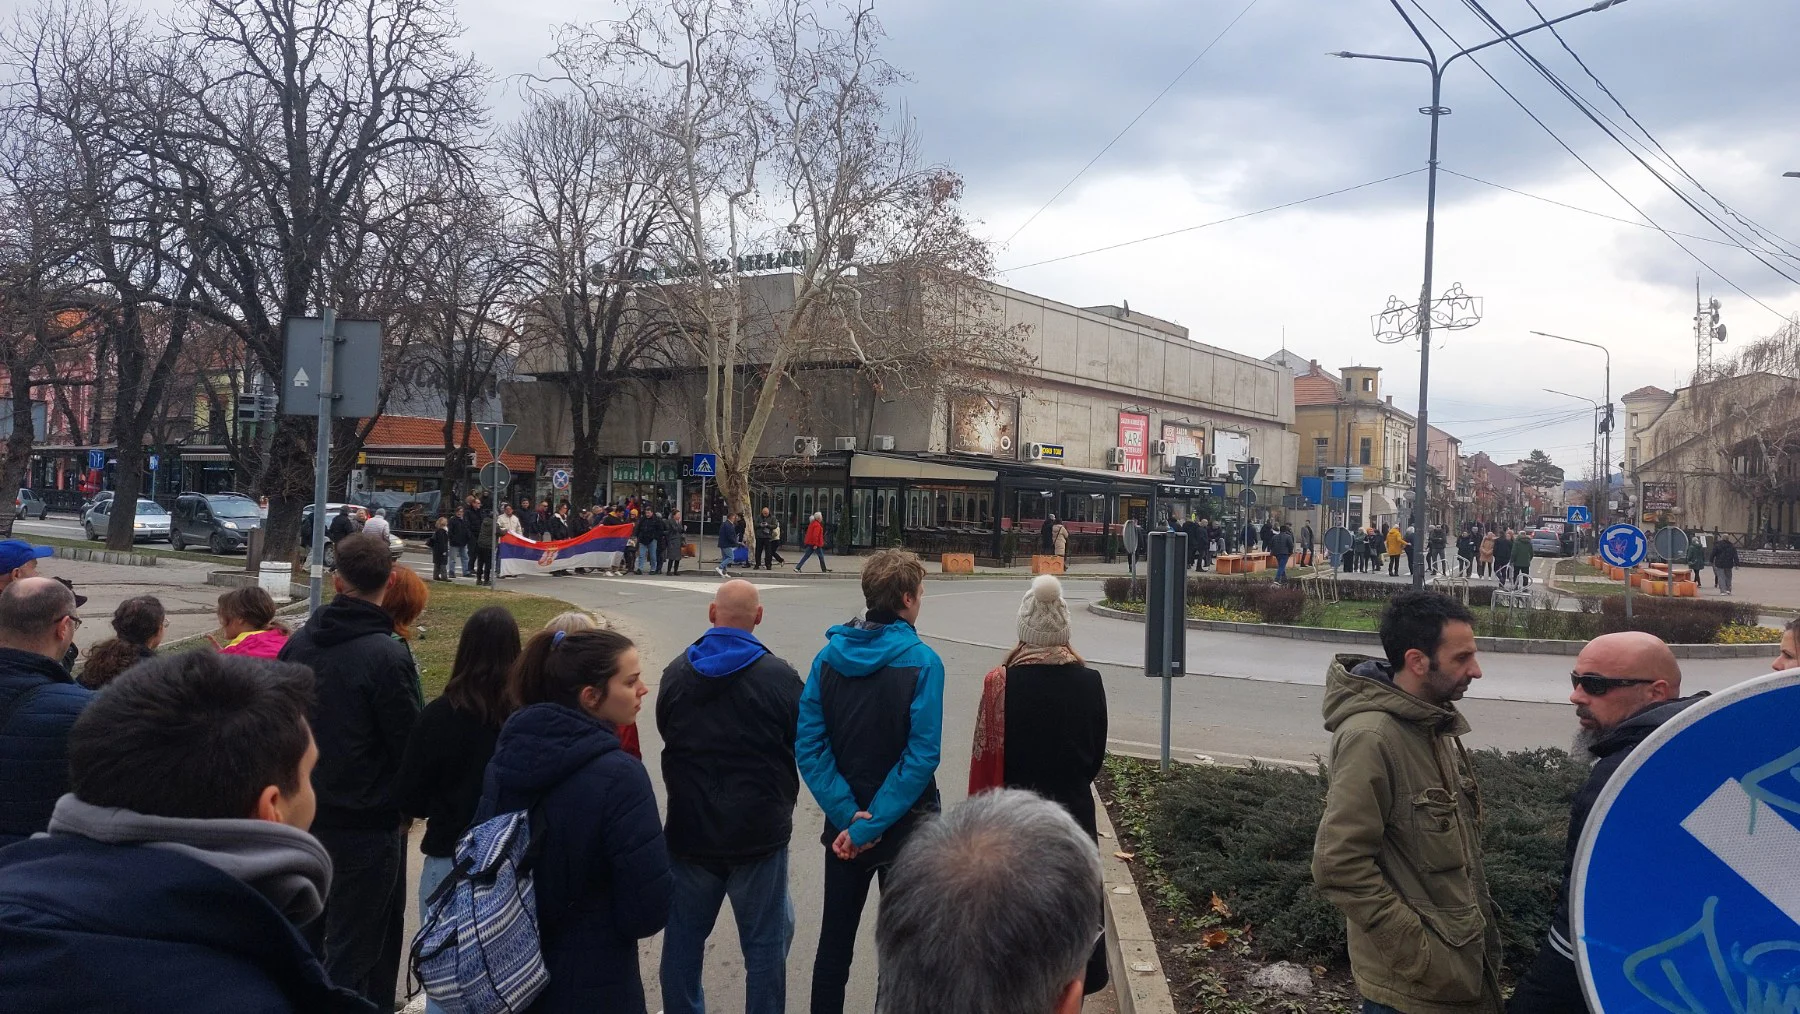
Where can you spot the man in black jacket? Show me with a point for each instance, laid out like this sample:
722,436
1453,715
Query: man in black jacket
39,702
367,705
765,541
1196,538
460,537
727,712
1626,685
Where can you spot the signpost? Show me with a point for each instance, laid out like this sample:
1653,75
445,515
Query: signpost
706,466
1709,800
1624,546
1338,541
559,479
1671,547
496,435
1578,515
1165,620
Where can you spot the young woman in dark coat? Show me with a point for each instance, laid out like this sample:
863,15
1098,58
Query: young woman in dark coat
602,878
1042,724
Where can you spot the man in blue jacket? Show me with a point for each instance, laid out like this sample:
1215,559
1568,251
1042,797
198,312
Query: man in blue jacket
871,721
727,709
177,871
39,702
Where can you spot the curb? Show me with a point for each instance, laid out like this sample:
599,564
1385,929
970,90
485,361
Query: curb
105,556
1497,645
1128,938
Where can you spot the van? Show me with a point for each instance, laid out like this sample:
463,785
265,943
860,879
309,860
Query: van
220,522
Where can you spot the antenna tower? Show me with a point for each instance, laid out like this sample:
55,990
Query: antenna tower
1707,333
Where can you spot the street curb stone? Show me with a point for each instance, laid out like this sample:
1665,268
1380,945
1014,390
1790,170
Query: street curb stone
105,556
1128,938
1498,645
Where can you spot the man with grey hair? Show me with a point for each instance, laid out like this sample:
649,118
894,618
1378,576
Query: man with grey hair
992,908
39,702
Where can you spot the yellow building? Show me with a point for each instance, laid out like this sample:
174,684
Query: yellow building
1346,421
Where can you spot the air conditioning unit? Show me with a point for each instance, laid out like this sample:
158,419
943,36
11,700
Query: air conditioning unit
1034,451
845,443
1115,458
648,447
1006,445
806,447
1160,448
882,442
671,447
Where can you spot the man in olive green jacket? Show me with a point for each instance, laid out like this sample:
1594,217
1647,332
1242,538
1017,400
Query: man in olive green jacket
1399,848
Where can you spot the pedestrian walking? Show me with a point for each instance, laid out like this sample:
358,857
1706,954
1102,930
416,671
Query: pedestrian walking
775,553
970,928
1059,539
1042,724
39,702
460,538
1132,538
1521,558
177,872
378,526
765,541
1047,535
441,567
139,624
1434,552
1306,545
1196,535
1503,556
729,541
1398,850
440,774
1396,544
602,873
247,622
674,538
727,709
1265,536
870,734
1724,561
1282,546
1696,558
367,706
343,526
1626,685
814,541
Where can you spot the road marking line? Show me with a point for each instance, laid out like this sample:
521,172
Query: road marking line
1760,847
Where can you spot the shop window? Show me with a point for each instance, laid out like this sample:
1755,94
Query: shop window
986,503
956,508
943,511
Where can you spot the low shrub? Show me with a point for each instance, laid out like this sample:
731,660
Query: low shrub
1733,633
1278,603
1221,614
1538,624
1677,621
1246,834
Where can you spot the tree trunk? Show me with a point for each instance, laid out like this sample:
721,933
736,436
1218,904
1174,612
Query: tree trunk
128,483
18,446
288,483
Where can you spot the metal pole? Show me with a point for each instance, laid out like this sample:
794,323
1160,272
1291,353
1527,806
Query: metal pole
700,549
322,462
1437,110
1168,696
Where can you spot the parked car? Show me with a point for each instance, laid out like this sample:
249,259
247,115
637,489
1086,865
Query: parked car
151,523
396,547
98,498
220,522
1545,542
28,504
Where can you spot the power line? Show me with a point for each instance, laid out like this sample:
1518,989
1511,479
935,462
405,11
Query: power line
1122,131
1587,211
1208,225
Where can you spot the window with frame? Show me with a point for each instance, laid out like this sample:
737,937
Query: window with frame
1366,451
1321,449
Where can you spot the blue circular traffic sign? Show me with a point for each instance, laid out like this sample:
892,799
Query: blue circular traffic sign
1623,545
1685,896
560,478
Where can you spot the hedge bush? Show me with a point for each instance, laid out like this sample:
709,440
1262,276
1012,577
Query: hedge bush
1678,621
1246,834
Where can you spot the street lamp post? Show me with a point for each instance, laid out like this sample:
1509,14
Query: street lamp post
1436,111
1606,430
1593,448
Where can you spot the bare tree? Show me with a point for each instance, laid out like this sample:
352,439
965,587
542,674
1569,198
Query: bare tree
1739,427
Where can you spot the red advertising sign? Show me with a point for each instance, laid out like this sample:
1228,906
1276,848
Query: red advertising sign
1134,436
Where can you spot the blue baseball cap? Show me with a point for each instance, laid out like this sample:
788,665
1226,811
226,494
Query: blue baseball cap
16,553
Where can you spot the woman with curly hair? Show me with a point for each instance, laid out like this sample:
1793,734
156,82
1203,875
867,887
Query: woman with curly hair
139,624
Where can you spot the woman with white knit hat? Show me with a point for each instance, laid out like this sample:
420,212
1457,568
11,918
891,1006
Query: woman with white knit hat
1042,723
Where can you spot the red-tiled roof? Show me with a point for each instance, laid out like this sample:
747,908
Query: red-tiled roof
400,431
1647,392
1316,388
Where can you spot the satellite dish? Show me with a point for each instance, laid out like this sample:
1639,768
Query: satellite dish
1719,333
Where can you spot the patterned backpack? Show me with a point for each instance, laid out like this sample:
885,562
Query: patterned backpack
477,949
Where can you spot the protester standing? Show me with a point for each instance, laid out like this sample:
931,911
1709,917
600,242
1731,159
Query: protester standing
602,875
138,625
1488,550
1503,555
508,523
439,542
814,541
343,526
486,533
674,538
460,537
1396,545
1399,847
1306,545
765,541
177,871
870,733
1196,535
377,525
1626,685
247,621
1047,535
1696,559
1042,724
1059,538
1521,558
1724,561
39,702
727,710
367,706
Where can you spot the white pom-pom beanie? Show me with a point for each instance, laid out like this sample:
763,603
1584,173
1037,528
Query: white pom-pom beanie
1044,616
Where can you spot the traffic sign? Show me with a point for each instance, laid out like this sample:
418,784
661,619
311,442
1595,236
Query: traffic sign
560,478
496,435
155,462
1578,515
96,459
495,476
706,466
1670,544
1623,545
1338,540
1708,800
1247,470
1248,496
355,368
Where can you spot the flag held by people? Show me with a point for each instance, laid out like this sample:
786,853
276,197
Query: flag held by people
601,547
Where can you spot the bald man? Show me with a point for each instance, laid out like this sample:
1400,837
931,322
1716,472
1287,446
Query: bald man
727,709
1625,686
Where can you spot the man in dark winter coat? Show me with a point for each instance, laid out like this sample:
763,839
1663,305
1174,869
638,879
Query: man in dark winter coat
1281,544
343,526
1196,536
39,702
366,710
765,541
1724,561
1266,537
460,538
176,874
1626,686
727,711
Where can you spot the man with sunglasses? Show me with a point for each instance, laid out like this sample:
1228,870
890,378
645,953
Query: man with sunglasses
1625,686
39,702
1399,847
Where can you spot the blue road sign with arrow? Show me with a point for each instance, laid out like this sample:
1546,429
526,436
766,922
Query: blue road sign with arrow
1707,807
706,466
1623,545
96,459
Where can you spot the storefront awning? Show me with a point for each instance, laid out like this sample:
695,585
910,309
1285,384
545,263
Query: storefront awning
192,456
873,466
1379,504
435,461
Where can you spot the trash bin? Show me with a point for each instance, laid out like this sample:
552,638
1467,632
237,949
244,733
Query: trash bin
276,578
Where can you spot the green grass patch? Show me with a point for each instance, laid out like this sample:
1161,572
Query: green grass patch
1342,615
1195,611
1578,568
437,632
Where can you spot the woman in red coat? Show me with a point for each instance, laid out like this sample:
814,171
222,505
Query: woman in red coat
815,543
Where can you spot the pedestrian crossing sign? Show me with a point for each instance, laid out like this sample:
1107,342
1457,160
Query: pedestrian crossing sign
706,466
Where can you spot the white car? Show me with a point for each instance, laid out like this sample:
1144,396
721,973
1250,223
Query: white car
151,523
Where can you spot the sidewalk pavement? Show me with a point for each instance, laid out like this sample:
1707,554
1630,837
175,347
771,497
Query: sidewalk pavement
191,603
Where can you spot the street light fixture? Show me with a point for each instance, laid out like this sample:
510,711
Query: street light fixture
1607,427
1436,111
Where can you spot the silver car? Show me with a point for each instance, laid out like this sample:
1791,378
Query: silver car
151,523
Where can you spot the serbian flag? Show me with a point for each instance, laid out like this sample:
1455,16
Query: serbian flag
602,546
